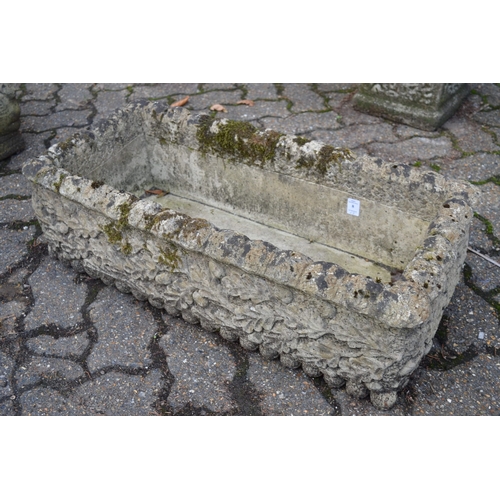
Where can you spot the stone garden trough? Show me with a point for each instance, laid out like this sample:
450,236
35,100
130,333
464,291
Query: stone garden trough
340,265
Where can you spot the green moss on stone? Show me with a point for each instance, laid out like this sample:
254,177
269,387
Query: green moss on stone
114,229
127,248
57,184
326,156
241,140
169,257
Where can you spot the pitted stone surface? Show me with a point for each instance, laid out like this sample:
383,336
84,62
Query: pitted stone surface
58,299
66,118
286,386
6,367
302,98
124,329
44,401
74,345
47,369
109,101
16,210
15,184
10,312
40,91
201,366
13,246
118,394
74,96
160,90
203,102
414,149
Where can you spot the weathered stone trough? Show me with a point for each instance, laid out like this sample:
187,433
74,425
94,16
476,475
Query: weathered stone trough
338,264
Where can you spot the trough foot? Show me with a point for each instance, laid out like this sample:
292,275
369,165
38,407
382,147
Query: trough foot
334,381
383,400
356,389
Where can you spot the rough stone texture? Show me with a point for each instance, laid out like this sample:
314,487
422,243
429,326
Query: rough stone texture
421,105
346,327
13,246
124,331
47,369
118,394
202,370
74,345
60,308
15,210
15,184
282,399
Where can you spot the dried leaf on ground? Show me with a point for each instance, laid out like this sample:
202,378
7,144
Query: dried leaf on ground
157,192
218,107
180,103
248,102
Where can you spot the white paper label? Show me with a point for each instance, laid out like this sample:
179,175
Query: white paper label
353,207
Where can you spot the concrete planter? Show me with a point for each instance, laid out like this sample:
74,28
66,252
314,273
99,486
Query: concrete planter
340,265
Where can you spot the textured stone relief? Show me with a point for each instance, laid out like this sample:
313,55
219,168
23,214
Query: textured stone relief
346,327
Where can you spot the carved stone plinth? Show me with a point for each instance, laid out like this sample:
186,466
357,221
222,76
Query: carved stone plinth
422,105
11,141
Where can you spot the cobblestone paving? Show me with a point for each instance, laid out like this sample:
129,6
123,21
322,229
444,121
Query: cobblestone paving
71,346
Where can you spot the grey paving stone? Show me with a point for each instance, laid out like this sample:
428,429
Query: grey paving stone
162,90
489,117
63,346
40,91
6,367
489,205
306,124
285,391
406,132
35,146
44,401
470,389
16,210
46,369
125,329
13,247
15,184
220,86
468,315
203,102
243,113
10,312
118,394
470,136
414,149
74,96
112,86
37,108
261,91
67,118
58,299
358,135
109,101
478,167
201,366
336,87
303,98
7,408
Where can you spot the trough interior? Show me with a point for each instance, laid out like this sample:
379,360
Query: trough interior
287,211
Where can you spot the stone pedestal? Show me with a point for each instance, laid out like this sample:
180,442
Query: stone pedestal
422,105
11,141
